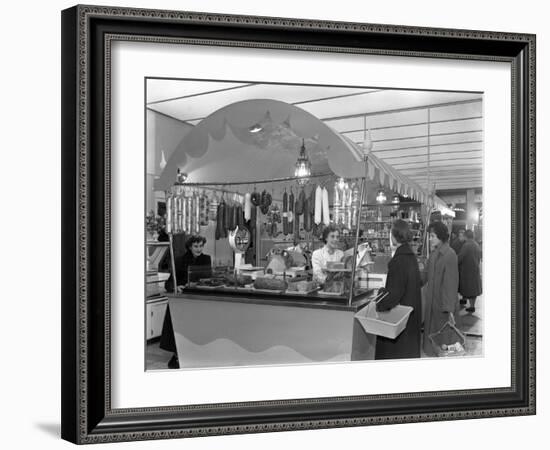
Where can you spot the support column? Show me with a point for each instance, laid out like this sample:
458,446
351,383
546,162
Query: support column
471,210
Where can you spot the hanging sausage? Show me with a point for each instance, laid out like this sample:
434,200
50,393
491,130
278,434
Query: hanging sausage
168,213
311,208
299,208
221,231
326,211
337,204
176,211
296,223
318,205
191,211
213,208
240,216
307,216
255,198
290,214
229,217
179,205
265,201
285,213
252,225
197,213
247,206
204,209
235,220
188,214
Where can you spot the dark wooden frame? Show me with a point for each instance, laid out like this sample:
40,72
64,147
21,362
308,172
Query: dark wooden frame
87,416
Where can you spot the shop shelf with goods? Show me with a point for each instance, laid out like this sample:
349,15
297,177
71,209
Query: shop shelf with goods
155,300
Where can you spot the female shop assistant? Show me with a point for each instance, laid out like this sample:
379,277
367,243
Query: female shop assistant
192,266
403,284
442,287
329,253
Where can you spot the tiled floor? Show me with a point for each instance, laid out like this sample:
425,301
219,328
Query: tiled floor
157,358
469,323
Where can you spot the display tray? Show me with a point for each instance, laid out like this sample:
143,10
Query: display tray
246,288
303,292
331,294
206,287
267,291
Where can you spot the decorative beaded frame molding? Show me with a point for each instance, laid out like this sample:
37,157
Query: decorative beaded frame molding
87,416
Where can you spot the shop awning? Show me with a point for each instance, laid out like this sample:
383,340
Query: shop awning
388,177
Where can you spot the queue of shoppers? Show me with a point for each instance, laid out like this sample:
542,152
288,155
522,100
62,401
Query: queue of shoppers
450,270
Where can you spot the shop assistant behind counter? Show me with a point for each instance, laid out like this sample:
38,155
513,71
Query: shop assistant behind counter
329,253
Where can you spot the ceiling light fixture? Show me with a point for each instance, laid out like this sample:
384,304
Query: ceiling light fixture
303,166
381,196
255,128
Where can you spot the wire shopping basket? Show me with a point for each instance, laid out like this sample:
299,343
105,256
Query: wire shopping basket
448,341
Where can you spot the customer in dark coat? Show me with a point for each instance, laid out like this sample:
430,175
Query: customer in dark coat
442,287
202,265
458,242
403,285
468,267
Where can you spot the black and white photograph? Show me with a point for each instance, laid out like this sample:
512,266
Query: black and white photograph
282,223
292,224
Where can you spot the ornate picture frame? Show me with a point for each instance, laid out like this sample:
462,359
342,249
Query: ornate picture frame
87,35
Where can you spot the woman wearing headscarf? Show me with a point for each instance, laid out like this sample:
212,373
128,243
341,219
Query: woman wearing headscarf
442,286
403,284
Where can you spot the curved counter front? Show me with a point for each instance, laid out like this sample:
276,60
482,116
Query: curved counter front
223,330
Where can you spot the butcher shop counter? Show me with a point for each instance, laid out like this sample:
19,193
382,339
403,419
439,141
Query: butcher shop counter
231,328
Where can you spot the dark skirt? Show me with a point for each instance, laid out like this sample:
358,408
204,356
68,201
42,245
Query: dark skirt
167,341
406,345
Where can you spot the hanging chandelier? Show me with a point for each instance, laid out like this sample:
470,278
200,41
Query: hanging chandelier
395,199
381,196
342,183
302,169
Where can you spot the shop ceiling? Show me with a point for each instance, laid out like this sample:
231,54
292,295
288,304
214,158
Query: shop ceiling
429,136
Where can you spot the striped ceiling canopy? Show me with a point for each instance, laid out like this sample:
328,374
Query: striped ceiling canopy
429,137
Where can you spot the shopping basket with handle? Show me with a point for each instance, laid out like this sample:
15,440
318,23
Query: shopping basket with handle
449,340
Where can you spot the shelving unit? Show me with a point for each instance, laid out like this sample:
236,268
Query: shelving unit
155,303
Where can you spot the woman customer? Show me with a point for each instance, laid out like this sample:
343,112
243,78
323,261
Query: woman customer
442,287
191,266
403,284
329,253
469,258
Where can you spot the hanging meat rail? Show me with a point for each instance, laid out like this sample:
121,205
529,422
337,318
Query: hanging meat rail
237,183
